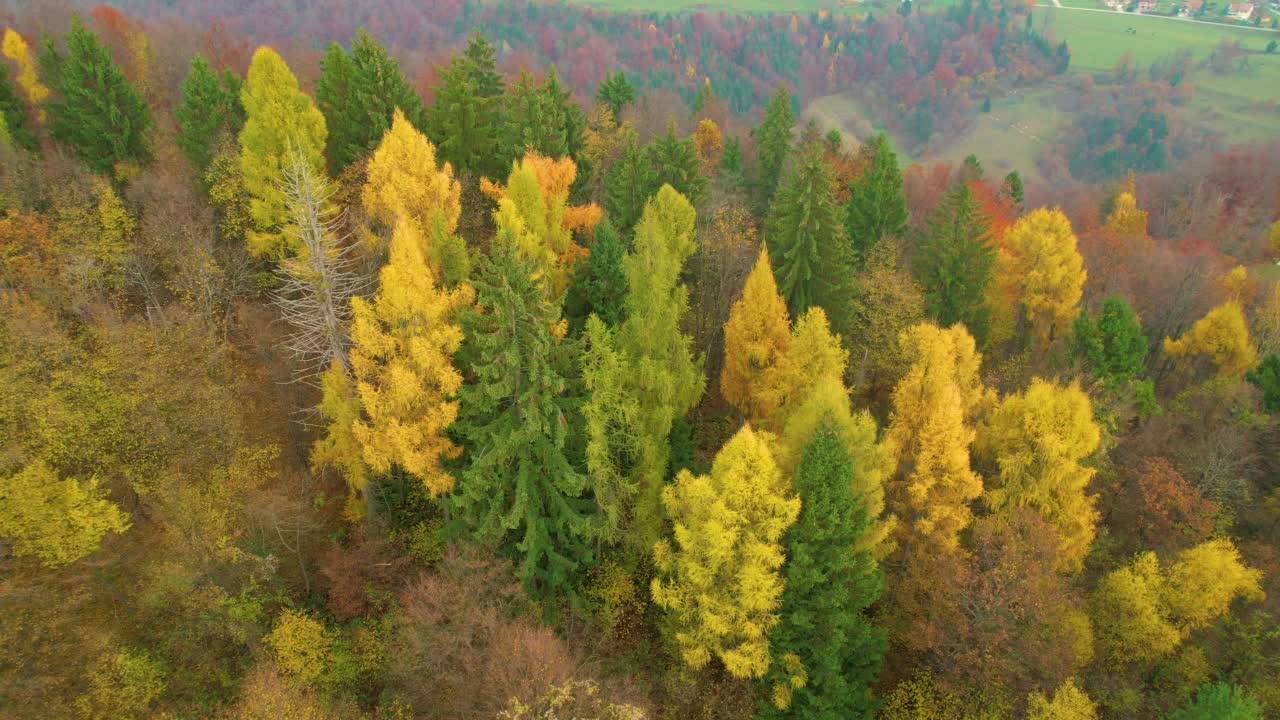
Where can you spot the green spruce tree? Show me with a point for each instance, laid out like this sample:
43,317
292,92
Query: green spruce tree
519,489
616,92
806,241
96,112
1113,345
599,284
676,163
877,206
831,579
14,113
954,262
465,125
773,142
210,110
358,93
628,185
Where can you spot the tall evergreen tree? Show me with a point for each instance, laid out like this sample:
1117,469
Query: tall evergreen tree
358,94
1113,344
1012,187
464,124
599,284
628,185
210,107
806,240
773,141
831,579
877,206
676,162
519,487
731,159
482,67
544,118
14,114
954,262
616,92
96,111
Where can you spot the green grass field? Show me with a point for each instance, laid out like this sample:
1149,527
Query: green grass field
746,6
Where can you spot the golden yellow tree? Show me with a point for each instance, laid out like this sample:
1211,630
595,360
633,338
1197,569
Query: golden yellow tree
58,521
16,49
1039,262
757,338
931,428
1221,336
709,142
534,213
1126,218
719,575
1037,441
1069,702
403,341
404,180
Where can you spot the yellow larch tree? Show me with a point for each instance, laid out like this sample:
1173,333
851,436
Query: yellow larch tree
1221,336
1237,285
718,577
55,520
931,428
1069,702
403,180
710,144
403,341
16,49
1126,218
280,120
814,354
1038,261
757,338
1036,440
534,213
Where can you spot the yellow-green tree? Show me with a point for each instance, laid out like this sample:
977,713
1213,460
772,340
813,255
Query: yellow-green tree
1126,219
57,521
534,213
1039,262
339,448
1142,612
403,341
17,50
931,428
757,338
1036,441
1069,702
280,120
301,645
718,577
1221,337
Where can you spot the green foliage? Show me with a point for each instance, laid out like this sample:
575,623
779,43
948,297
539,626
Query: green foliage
629,183
599,284
806,240
210,107
358,93
543,118
831,580
96,111
56,521
13,114
1266,377
519,488
616,92
466,118
877,206
1012,187
1219,701
676,163
954,262
773,142
1113,345
122,686
731,158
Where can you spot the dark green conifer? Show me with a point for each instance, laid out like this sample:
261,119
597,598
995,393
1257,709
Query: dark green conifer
954,261
210,109
14,113
877,205
676,163
773,141
628,185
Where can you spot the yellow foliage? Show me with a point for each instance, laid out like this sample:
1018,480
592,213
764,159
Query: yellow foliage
403,342
1222,336
281,120
267,696
301,645
719,577
1039,262
1069,703
756,339
122,686
54,520
534,214
1238,286
16,49
1126,219
1142,613
1038,439
339,447
1273,238
931,429
116,226
710,143
405,181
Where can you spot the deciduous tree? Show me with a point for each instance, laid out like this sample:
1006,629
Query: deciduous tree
17,50
719,576
13,114
757,338
55,520
1039,262
1221,337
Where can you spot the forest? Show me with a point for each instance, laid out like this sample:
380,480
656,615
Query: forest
457,360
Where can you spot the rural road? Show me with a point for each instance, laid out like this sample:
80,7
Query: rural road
1057,4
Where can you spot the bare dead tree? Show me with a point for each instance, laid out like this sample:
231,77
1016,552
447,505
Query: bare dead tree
316,286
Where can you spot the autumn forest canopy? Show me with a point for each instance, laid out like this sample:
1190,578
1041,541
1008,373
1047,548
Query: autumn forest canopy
524,360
